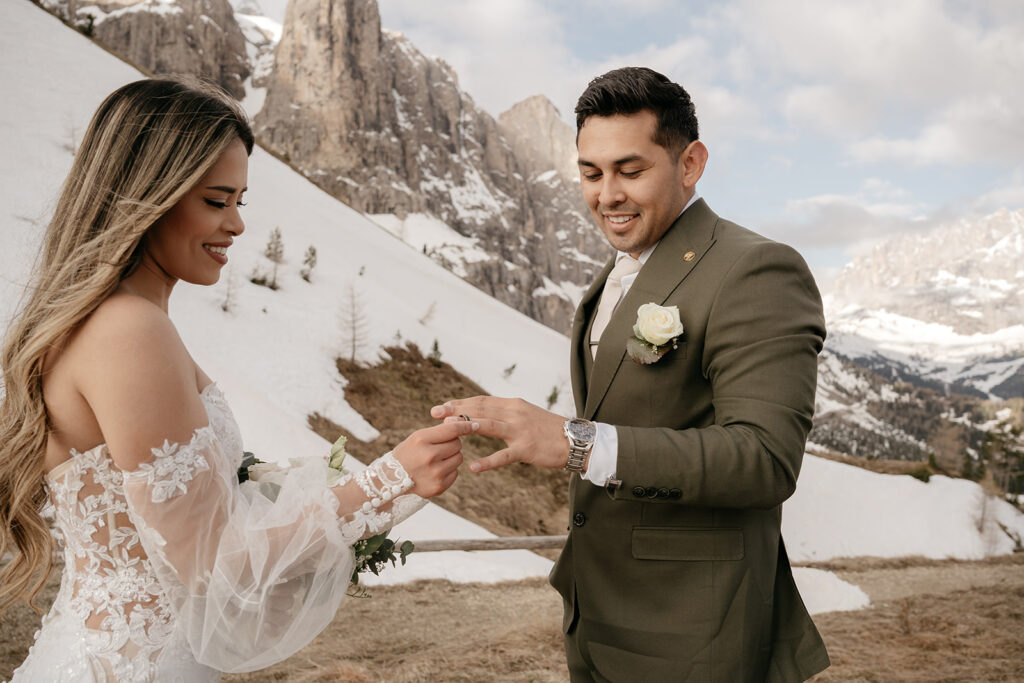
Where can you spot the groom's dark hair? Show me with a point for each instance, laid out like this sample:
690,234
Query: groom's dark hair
633,89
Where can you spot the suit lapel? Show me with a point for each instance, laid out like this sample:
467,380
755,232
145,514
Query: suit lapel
580,361
679,251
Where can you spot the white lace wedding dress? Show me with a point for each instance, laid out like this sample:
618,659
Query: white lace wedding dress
175,572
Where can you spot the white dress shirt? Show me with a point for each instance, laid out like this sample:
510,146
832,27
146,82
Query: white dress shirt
604,456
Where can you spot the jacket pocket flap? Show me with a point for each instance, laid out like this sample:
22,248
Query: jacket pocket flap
667,543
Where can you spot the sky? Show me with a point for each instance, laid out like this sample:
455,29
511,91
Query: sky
830,124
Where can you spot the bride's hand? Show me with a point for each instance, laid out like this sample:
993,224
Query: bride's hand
432,456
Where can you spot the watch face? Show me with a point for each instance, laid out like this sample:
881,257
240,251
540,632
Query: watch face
582,430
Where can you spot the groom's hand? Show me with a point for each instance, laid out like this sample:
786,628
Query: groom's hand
532,435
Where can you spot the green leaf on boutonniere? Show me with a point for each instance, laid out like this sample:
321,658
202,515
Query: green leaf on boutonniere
645,353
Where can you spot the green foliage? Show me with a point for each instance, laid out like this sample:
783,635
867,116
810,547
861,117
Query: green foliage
374,553
924,473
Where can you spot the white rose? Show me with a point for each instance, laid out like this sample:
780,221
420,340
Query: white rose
657,324
261,469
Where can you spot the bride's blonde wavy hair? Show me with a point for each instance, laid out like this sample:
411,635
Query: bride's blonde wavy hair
147,145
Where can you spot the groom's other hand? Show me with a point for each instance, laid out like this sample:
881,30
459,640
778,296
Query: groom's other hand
531,434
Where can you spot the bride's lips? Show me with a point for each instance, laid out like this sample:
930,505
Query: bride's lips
218,251
620,222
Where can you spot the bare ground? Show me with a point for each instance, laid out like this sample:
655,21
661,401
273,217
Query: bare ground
929,621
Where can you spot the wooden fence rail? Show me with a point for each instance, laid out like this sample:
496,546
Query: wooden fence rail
504,543
431,546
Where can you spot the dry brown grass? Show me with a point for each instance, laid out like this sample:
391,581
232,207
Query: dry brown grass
920,470
436,631
396,395
975,635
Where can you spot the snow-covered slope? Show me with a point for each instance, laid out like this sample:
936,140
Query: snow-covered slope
945,308
272,352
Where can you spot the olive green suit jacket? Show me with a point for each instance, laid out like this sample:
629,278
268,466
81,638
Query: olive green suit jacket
679,572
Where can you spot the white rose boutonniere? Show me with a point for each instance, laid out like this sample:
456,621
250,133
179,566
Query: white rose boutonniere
655,332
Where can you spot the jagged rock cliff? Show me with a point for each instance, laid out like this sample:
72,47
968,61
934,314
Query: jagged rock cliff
969,275
196,37
368,117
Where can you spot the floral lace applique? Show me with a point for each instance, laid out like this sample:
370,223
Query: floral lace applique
175,465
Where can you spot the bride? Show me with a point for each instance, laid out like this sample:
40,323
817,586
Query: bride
172,570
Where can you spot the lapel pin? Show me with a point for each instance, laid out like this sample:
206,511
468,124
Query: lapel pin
689,256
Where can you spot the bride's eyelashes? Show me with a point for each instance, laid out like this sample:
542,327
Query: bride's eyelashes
222,205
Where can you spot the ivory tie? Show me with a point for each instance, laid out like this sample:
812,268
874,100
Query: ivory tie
610,297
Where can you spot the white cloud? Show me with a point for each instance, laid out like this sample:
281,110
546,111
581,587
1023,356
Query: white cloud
502,51
1009,195
988,127
878,209
945,74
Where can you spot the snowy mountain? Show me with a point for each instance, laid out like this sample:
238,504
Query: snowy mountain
387,130
944,309
272,352
926,342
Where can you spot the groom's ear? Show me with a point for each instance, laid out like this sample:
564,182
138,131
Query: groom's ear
693,159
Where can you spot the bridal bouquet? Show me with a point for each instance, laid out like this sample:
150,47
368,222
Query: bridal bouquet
373,553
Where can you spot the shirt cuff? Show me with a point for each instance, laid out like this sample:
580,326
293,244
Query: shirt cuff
603,456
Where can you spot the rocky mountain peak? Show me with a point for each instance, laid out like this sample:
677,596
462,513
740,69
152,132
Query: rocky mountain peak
535,128
386,129
167,37
968,275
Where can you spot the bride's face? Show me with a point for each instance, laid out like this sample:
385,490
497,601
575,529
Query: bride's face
190,242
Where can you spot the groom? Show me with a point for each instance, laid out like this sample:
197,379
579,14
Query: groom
686,448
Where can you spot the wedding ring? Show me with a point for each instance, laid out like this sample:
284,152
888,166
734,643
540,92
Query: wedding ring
465,417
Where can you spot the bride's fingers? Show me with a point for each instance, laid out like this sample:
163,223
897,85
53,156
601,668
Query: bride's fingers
446,452
493,461
448,480
452,464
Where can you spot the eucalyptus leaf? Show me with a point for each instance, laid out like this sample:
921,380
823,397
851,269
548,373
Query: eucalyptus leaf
643,352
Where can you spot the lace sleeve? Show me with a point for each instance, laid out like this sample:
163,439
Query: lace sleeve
255,571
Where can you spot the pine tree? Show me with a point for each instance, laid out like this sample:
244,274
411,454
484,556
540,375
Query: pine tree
353,323
274,251
308,263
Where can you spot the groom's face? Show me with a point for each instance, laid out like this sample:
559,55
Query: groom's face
633,186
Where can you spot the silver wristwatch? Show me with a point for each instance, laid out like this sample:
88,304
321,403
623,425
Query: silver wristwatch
581,435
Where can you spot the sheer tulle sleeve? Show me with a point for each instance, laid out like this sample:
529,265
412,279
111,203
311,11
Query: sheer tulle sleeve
255,571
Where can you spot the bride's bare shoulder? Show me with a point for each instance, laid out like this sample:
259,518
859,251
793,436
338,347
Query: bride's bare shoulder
128,319
127,333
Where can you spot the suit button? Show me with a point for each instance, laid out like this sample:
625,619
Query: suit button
638,491
579,519
675,494
650,492
662,493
